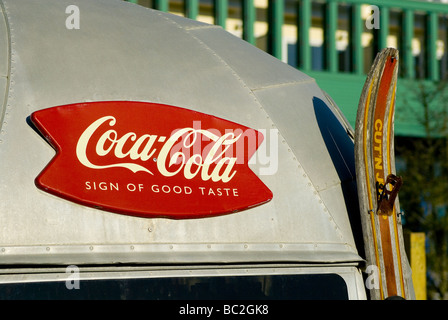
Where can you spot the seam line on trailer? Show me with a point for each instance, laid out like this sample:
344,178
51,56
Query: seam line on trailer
302,173
5,98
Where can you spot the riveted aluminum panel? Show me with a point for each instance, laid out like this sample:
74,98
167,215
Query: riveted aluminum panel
254,66
4,63
313,131
126,52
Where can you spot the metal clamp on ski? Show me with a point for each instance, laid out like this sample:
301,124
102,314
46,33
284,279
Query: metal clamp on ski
386,197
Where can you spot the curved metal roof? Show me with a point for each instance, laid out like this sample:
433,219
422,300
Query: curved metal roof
126,52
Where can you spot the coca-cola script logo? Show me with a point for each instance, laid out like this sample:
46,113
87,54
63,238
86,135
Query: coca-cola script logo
149,160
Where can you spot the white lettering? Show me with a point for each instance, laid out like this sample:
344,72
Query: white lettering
167,189
93,185
132,187
373,20
73,20
84,139
72,281
372,280
267,153
213,164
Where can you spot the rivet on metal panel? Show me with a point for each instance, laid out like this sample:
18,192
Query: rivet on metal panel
281,245
171,246
150,229
47,248
245,246
132,247
209,246
91,248
3,249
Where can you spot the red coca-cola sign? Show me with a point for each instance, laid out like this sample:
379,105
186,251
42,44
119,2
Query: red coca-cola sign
149,160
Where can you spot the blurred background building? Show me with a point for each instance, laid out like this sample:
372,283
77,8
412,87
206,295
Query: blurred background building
336,41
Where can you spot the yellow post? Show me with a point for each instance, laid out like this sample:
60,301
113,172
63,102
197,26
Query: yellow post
418,263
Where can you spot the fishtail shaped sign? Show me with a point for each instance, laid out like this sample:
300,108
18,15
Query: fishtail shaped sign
149,160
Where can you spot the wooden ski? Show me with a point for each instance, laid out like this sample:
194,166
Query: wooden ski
387,265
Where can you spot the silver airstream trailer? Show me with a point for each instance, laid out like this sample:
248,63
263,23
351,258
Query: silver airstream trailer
120,163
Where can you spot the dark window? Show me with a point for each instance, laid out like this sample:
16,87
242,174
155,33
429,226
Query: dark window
318,58
420,52
343,39
317,44
272,287
292,54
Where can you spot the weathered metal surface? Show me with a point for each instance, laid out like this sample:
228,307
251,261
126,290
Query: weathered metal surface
125,52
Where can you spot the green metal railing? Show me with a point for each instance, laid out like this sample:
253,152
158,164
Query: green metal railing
432,11
344,87
220,14
303,12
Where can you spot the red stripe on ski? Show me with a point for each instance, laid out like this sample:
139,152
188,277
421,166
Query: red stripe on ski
379,122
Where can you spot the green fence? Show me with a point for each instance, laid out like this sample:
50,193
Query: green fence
402,15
